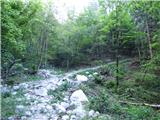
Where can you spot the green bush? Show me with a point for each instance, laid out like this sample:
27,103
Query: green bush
142,113
9,102
146,79
104,103
109,84
98,79
59,92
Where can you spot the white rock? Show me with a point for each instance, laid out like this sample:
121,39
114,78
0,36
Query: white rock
20,108
33,109
40,107
78,96
60,109
19,99
14,93
81,78
16,87
23,118
28,113
65,117
24,85
65,104
91,77
10,118
49,107
39,117
5,90
69,112
91,113
54,117
95,73
96,114
41,92
79,111
65,99
87,72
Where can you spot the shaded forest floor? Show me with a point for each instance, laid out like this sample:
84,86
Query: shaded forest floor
134,87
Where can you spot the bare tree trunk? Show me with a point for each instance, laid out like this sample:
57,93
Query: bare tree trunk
149,40
67,64
139,53
117,52
46,53
117,59
46,48
42,51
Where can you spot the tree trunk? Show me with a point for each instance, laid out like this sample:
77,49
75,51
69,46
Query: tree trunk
139,53
67,64
149,41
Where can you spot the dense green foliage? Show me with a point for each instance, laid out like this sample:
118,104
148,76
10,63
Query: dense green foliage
32,38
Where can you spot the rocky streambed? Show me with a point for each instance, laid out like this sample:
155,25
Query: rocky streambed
57,97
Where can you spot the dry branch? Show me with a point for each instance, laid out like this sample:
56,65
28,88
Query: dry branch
156,106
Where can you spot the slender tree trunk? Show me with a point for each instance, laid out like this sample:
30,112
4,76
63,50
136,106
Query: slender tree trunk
42,51
46,48
149,40
67,64
117,69
117,59
117,51
139,53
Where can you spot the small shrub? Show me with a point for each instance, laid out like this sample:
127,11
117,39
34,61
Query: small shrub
9,102
141,113
58,93
146,79
109,84
98,79
104,103
5,95
10,82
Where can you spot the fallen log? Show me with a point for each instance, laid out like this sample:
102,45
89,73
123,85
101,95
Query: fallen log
156,106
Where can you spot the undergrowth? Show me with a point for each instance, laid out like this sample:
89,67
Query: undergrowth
59,92
9,103
135,86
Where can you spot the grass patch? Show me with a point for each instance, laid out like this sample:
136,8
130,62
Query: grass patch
59,92
106,102
9,103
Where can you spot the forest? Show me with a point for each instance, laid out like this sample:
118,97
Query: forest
109,54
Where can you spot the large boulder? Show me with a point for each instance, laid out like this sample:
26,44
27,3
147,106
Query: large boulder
78,96
77,99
